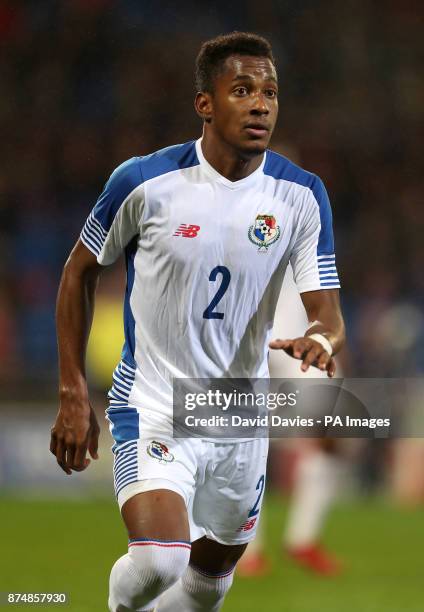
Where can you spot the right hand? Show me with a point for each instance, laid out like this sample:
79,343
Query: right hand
309,351
75,432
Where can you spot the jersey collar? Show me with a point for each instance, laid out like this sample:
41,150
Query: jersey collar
222,179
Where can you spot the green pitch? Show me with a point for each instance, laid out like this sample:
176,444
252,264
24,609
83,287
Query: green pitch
71,545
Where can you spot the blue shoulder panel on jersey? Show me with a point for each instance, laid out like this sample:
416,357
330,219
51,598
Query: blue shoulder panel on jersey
166,160
122,181
282,168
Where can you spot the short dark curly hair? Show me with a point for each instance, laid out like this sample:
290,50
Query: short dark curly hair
214,52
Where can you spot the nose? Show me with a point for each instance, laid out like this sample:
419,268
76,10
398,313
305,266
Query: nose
259,106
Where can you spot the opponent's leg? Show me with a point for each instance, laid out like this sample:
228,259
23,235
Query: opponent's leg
317,481
206,581
158,551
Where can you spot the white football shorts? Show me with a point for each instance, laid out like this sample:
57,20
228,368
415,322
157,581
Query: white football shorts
222,484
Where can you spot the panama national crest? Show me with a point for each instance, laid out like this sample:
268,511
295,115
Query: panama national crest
159,451
264,232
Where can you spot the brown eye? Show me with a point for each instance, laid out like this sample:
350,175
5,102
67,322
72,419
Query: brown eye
271,93
240,91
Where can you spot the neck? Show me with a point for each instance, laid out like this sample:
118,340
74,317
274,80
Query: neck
225,159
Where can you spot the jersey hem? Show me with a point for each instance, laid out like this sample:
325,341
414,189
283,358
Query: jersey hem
315,287
91,249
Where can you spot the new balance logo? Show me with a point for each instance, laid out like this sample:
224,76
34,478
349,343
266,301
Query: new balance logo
248,525
187,231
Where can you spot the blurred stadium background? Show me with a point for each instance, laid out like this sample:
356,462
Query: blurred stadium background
86,84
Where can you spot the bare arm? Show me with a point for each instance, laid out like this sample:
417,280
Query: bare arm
76,429
322,306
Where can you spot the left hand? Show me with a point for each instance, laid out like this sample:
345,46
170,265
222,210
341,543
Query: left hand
309,351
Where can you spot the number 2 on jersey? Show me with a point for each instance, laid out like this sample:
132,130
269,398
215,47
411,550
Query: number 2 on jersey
225,281
259,487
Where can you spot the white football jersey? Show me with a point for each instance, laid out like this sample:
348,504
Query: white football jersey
205,259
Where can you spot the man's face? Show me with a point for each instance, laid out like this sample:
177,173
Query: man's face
244,103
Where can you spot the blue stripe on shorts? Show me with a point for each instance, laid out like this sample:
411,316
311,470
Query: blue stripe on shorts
125,468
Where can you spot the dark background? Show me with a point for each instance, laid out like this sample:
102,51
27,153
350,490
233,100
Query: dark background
86,84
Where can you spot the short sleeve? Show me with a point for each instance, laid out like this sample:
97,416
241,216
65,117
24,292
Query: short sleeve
313,257
116,217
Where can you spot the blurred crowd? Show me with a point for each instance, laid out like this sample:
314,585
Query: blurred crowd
86,84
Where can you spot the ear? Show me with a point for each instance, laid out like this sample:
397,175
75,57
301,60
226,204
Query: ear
203,105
